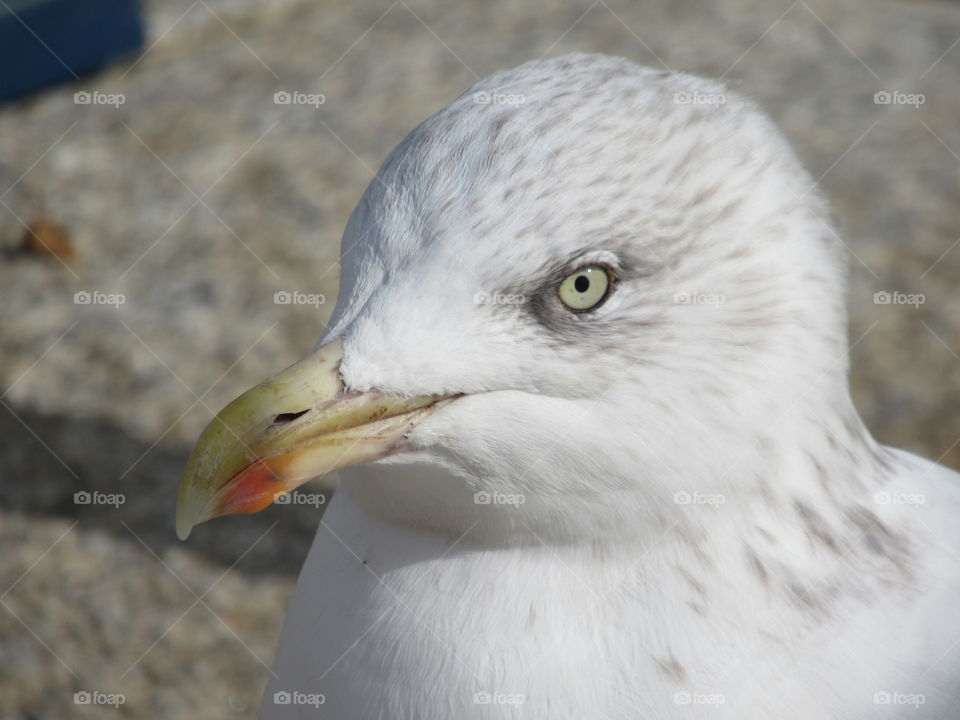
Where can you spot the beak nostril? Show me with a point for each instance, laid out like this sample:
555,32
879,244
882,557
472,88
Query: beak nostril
288,417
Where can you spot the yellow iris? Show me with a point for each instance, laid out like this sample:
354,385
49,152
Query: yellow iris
586,288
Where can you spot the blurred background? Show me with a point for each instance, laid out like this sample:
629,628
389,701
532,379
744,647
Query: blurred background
174,179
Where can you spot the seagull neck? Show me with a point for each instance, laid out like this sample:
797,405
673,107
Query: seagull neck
811,458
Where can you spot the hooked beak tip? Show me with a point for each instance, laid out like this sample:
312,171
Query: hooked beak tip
183,529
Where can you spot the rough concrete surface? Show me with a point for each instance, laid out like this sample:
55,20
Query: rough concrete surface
198,198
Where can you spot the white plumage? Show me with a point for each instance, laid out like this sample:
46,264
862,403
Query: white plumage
666,508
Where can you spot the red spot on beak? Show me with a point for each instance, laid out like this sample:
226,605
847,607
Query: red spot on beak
253,488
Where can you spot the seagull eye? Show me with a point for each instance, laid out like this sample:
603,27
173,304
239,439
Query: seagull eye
587,288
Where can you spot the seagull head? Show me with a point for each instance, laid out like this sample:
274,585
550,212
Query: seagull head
580,289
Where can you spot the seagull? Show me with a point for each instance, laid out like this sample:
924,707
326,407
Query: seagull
586,388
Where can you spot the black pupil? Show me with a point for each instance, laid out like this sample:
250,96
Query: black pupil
582,284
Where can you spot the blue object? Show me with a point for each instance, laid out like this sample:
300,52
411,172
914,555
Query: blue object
47,41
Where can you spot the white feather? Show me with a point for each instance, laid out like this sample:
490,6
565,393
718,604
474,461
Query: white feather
688,519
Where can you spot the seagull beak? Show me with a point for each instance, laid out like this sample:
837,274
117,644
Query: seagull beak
297,425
